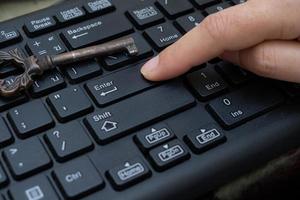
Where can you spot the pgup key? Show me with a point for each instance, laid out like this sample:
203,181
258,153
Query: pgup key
35,66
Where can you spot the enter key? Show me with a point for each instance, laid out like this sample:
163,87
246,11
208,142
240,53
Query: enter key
117,86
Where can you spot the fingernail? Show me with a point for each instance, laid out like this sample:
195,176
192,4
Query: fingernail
150,66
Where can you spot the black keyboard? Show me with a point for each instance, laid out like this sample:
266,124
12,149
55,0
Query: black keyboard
99,130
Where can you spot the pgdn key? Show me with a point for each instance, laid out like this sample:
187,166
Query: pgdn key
168,155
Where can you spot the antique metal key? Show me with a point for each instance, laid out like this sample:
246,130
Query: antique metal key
35,66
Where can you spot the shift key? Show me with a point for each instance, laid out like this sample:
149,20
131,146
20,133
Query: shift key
116,86
135,112
97,30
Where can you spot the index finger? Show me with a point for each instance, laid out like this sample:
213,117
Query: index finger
232,29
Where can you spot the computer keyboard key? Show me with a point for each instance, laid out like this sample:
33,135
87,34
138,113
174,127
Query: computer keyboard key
30,118
37,188
39,24
96,30
99,6
78,178
168,155
7,103
5,134
163,35
188,22
121,59
204,138
45,45
3,177
205,3
206,83
116,86
145,16
49,82
8,69
26,158
68,140
232,73
154,135
70,14
128,173
118,119
69,103
8,36
217,8
242,105
79,72
174,8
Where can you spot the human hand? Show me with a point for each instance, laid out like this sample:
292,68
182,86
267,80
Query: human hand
262,36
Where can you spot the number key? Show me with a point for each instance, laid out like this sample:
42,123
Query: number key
217,8
162,35
206,83
174,8
188,22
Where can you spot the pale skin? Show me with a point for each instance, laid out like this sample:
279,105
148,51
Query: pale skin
262,36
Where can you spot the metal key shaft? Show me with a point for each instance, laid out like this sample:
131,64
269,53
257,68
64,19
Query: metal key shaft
35,66
109,48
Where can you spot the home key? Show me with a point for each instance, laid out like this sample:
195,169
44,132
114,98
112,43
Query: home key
35,66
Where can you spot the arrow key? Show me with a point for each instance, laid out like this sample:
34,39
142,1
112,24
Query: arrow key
168,155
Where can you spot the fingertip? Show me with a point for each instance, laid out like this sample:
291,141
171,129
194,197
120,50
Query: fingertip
231,56
150,68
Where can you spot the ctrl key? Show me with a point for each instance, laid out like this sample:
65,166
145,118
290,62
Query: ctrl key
168,155
128,173
78,178
37,188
